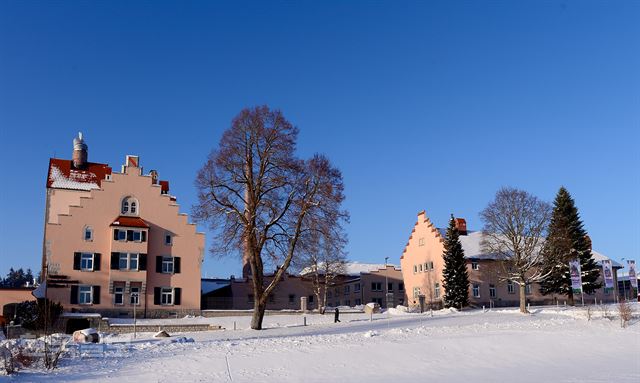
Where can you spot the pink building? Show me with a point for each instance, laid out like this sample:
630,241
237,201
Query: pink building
117,241
422,266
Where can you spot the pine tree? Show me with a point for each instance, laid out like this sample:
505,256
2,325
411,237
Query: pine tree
455,276
567,240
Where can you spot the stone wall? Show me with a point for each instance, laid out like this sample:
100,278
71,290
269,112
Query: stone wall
128,328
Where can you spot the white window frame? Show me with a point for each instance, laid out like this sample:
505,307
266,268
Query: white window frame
137,233
134,296
475,290
492,291
87,229
130,206
85,291
510,287
122,235
87,258
475,265
416,292
168,265
118,291
527,289
166,296
127,257
436,290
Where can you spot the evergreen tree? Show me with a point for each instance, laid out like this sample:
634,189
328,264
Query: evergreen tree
567,240
455,276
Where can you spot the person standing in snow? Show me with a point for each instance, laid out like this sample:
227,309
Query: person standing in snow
336,318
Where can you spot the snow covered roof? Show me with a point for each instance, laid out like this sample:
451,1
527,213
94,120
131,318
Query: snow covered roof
62,175
472,249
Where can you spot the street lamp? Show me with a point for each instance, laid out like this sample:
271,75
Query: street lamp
386,281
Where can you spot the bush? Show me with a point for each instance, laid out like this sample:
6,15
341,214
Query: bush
33,315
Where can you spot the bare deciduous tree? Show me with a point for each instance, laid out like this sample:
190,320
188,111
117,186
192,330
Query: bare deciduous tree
515,225
260,200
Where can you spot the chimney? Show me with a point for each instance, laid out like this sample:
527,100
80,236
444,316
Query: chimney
154,177
80,155
461,225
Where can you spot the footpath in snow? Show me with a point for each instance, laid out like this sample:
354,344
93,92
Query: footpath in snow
501,345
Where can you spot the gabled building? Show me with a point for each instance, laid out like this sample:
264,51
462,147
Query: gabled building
117,241
422,265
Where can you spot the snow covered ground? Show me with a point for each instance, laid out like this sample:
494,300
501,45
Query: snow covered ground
500,345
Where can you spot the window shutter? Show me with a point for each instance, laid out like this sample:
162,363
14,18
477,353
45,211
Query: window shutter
177,292
176,265
96,295
76,261
74,295
115,260
158,263
144,236
115,234
156,295
96,261
129,235
142,265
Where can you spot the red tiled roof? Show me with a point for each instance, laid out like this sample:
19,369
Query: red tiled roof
129,222
165,186
62,175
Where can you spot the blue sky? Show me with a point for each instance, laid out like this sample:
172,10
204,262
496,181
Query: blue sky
422,105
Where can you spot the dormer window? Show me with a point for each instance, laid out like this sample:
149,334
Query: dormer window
129,206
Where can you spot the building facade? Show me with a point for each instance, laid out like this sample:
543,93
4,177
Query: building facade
115,242
422,265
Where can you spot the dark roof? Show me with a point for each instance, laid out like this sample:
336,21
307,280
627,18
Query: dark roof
62,175
124,221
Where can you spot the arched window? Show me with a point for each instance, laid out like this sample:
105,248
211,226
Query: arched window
130,206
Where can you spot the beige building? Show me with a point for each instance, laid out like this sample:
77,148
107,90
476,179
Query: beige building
422,266
117,241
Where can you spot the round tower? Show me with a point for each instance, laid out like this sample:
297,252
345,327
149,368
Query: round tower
79,152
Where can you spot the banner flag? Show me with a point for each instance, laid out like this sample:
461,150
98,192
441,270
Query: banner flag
576,275
607,271
633,278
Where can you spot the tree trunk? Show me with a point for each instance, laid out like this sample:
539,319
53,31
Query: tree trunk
523,299
258,314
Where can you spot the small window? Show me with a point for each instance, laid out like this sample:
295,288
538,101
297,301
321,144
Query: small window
130,206
310,300
88,233
356,287
416,292
476,290
426,266
133,261
376,286
135,296
475,265
134,207
125,207
85,295
415,269
390,286
137,236
401,286
420,267
421,242
166,297
123,261
492,291
527,288
118,295
292,298
86,262
436,290
167,265
510,287
431,265
122,235
168,240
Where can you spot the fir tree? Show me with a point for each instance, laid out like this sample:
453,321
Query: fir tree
567,240
455,276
